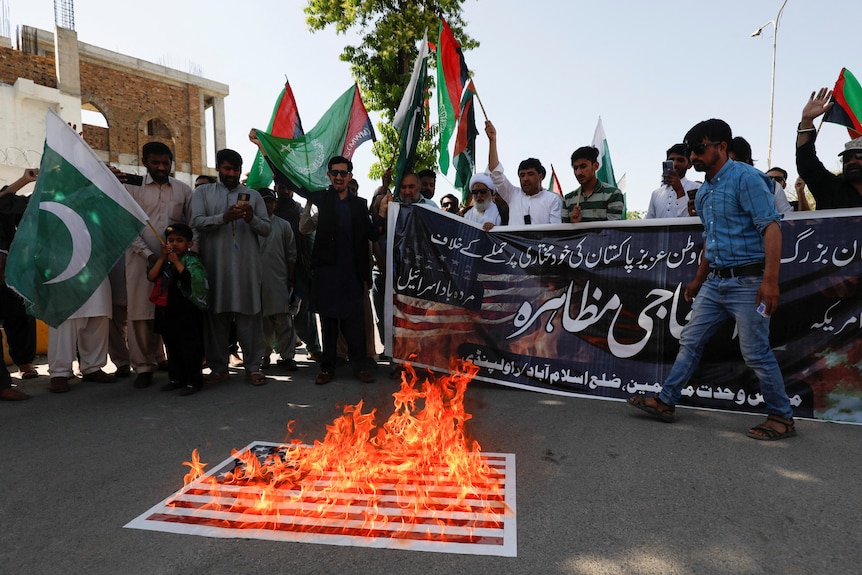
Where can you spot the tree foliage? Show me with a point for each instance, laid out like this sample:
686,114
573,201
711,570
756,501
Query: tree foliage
390,32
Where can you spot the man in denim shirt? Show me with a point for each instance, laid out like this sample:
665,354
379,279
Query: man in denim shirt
737,278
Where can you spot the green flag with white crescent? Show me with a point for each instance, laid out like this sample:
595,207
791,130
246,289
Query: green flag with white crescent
77,225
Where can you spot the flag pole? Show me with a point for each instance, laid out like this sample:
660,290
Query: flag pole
158,235
481,105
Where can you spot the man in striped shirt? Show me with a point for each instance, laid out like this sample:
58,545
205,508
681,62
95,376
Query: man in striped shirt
594,201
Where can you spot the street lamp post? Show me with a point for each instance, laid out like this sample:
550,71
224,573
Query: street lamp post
772,88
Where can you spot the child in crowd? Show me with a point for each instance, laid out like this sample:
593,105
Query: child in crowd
180,294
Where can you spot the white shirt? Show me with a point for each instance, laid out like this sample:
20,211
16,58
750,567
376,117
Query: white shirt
781,203
543,208
665,204
490,215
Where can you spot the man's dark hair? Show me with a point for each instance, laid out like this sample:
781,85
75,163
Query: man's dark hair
451,197
427,174
532,163
232,157
179,230
781,170
209,179
590,153
741,150
156,149
339,160
714,130
678,149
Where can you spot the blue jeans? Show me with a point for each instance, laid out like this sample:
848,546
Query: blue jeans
718,300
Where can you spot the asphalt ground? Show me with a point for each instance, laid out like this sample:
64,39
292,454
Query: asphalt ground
601,488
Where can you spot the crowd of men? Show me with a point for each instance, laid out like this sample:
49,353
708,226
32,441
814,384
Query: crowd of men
277,270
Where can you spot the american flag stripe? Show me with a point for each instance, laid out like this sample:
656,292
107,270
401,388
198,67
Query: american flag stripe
423,512
247,529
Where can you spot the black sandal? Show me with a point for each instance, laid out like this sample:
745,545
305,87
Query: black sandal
770,433
657,408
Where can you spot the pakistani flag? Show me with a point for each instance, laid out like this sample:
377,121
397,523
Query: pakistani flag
605,173
79,222
409,119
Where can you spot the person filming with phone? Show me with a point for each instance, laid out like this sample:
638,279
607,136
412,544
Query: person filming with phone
676,194
229,219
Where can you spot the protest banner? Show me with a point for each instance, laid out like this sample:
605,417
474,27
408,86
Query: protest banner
597,309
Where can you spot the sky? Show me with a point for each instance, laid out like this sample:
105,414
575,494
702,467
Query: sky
545,71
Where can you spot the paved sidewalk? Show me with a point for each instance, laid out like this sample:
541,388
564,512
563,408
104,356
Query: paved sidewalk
601,489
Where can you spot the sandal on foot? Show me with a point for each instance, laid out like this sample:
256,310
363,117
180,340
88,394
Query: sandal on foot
653,406
763,432
28,371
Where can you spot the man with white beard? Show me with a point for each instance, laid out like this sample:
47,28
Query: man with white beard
484,211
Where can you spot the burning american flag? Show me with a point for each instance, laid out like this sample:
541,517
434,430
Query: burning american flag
415,483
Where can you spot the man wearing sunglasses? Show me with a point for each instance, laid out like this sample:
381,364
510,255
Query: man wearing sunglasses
483,210
830,191
738,272
341,268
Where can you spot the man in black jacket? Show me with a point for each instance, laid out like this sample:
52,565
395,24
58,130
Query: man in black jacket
829,190
340,269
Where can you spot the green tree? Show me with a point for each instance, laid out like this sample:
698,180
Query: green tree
382,62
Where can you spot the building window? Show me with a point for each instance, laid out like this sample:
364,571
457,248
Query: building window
158,129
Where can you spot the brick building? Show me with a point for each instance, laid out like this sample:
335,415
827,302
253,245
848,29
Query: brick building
139,101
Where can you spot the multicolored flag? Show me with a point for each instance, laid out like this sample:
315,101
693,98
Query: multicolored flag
554,184
452,77
78,223
409,118
359,128
284,123
464,152
846,104
340,131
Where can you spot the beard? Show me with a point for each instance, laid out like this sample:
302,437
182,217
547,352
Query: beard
481,205
853,173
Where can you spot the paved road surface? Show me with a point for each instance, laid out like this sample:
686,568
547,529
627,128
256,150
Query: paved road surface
601,489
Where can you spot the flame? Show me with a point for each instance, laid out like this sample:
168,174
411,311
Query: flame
417,469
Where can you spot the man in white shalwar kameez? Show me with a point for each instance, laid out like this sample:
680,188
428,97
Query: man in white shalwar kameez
166,201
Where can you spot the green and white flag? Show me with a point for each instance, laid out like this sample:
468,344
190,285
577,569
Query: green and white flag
79,222
605,173
409,119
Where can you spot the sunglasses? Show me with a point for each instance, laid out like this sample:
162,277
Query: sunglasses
700,148
448,205
342,173
779,179
480,191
